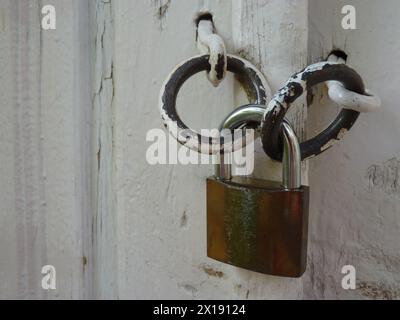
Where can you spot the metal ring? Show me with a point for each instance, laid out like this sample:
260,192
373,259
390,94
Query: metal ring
271,132
251,79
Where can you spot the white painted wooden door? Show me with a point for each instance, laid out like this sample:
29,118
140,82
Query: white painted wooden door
77,192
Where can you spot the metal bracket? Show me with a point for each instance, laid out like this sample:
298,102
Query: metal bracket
368,102
208,42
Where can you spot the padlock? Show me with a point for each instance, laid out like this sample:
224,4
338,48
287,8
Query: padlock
256,224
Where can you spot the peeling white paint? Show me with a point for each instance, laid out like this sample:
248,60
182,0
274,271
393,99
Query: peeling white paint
104,218
45,138
332,142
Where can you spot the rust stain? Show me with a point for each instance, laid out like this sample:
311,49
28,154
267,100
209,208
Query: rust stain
378,291
212,272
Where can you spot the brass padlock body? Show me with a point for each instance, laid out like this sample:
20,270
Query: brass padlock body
258,225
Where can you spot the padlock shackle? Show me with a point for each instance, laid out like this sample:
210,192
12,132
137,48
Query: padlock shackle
250,116
291,164
245,116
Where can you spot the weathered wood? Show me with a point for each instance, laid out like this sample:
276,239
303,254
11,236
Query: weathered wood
45,201
274,36
104,233
161,210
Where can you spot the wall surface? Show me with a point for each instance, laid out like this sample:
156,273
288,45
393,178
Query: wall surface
77,192
355,202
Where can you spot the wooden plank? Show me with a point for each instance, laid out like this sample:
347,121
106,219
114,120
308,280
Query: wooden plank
45,164
160,209
104,217
274,36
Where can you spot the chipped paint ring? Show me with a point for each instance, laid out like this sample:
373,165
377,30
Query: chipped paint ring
298,84
252,80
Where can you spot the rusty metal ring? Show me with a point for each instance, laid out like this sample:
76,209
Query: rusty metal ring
251,79
271,131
